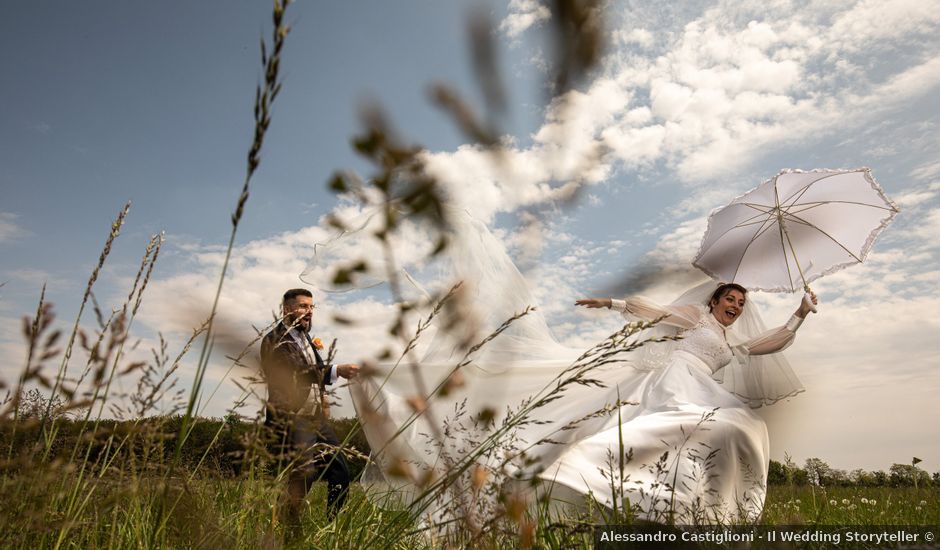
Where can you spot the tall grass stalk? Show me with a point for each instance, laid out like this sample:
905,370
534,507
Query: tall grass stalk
265,95
81,493
63,367
32,332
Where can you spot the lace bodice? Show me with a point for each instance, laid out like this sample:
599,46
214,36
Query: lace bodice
706,340
703,336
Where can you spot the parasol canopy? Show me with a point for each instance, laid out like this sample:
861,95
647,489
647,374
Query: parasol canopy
795,228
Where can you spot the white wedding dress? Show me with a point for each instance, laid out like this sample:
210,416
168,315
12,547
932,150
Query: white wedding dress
714,469
529,409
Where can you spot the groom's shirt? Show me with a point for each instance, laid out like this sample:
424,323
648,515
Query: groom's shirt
303,340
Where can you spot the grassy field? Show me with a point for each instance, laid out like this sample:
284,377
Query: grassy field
852,506
224,513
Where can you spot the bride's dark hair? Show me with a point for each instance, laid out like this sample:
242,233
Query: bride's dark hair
723,289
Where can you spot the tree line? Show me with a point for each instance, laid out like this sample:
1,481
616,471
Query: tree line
816,471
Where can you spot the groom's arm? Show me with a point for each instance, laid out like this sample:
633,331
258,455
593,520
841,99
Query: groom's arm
329,374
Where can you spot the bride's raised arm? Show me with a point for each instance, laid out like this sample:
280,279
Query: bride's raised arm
683,316
780,338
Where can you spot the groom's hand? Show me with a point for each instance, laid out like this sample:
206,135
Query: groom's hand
348,371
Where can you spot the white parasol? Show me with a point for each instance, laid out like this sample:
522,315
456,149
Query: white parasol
795,228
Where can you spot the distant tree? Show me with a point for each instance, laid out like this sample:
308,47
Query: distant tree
799,477
838,477
777,474
906,475
795,474
936,479
880,478
818,471
862,478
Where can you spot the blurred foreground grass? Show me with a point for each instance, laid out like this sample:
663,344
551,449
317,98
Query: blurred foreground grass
239,513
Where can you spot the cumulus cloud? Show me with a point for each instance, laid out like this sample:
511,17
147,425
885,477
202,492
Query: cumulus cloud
476,181
710,97
926,171
9,229
259,272
262,269
524,14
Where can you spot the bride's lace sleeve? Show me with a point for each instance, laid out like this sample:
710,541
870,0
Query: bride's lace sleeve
682,316
771,341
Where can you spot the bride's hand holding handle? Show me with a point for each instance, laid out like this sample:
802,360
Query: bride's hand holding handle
808,304
594,303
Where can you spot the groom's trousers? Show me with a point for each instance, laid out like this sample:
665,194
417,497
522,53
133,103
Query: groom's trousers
308,447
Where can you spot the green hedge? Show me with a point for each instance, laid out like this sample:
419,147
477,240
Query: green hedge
148,444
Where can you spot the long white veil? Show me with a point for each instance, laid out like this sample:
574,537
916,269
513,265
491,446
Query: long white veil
523,361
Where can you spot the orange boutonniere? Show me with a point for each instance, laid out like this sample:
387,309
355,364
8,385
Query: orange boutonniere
317,343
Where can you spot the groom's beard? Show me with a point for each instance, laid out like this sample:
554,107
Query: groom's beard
301,323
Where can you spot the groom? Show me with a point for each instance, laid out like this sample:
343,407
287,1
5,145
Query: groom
292,367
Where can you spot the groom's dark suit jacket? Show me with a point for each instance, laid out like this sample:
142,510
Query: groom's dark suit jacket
288,374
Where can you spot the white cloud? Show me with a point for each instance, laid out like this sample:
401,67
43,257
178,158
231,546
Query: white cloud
524,14
736,82
873,22
928,227
926,171
866,356
41,127
475,180
9,229
724,91
640,37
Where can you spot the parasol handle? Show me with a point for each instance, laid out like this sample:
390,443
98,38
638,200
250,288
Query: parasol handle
808,300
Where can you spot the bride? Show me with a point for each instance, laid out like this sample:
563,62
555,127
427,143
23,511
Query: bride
717,470
672,417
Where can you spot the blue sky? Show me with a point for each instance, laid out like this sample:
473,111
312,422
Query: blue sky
691,106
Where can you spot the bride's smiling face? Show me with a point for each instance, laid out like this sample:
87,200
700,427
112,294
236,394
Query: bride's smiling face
728,307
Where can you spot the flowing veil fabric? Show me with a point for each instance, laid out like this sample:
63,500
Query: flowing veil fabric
521,363
506,372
